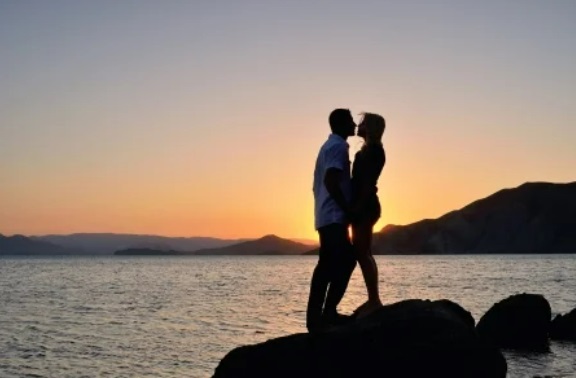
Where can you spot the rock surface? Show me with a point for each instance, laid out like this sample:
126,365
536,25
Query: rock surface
519,321
563,327
412,338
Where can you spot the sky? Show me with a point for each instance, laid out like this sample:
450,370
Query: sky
204,118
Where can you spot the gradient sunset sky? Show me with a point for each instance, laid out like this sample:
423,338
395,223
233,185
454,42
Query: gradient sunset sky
204,118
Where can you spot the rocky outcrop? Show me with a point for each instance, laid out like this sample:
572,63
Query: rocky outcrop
563,327
520,321
413,338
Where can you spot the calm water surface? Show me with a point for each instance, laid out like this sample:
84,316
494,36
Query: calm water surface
177,317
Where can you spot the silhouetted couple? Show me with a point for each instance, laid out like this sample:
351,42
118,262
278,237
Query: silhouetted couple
343,198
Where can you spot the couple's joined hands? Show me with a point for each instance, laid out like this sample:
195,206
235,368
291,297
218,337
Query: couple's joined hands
352,213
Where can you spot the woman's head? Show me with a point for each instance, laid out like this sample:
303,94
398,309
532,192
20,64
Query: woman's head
371,128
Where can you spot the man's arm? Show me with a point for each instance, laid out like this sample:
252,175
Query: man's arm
332,180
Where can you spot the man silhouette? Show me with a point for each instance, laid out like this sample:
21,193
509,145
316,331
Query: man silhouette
332,192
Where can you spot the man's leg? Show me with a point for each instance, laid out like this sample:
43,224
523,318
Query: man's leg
318,287
342,264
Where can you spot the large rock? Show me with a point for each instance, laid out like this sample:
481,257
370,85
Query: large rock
412,338
520,321
564,327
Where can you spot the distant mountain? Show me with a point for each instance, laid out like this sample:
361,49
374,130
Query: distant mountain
532,218
108,243
22,245
267,245
311,242
148,252
312,252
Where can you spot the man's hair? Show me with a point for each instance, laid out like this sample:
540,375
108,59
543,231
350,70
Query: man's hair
338,118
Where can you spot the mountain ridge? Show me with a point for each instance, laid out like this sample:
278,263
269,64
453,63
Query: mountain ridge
108,243
535,217
266,245
20,245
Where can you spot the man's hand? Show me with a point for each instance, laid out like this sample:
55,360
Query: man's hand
332,180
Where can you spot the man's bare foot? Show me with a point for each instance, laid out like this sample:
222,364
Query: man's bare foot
367,308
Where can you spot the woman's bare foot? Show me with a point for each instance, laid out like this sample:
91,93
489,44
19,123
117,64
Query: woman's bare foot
367,308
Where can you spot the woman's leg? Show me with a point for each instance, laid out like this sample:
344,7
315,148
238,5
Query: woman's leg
362,240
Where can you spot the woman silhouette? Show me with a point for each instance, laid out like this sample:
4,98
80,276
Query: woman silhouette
368,164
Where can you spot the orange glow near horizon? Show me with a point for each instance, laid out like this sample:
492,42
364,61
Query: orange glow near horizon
230,187
243,195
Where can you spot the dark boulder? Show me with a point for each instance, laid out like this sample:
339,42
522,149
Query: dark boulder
413,338
456,310
564,327
520,321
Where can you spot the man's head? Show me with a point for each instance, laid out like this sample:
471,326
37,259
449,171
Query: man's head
342,123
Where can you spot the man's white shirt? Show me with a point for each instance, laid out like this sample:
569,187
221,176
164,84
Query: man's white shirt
333,154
